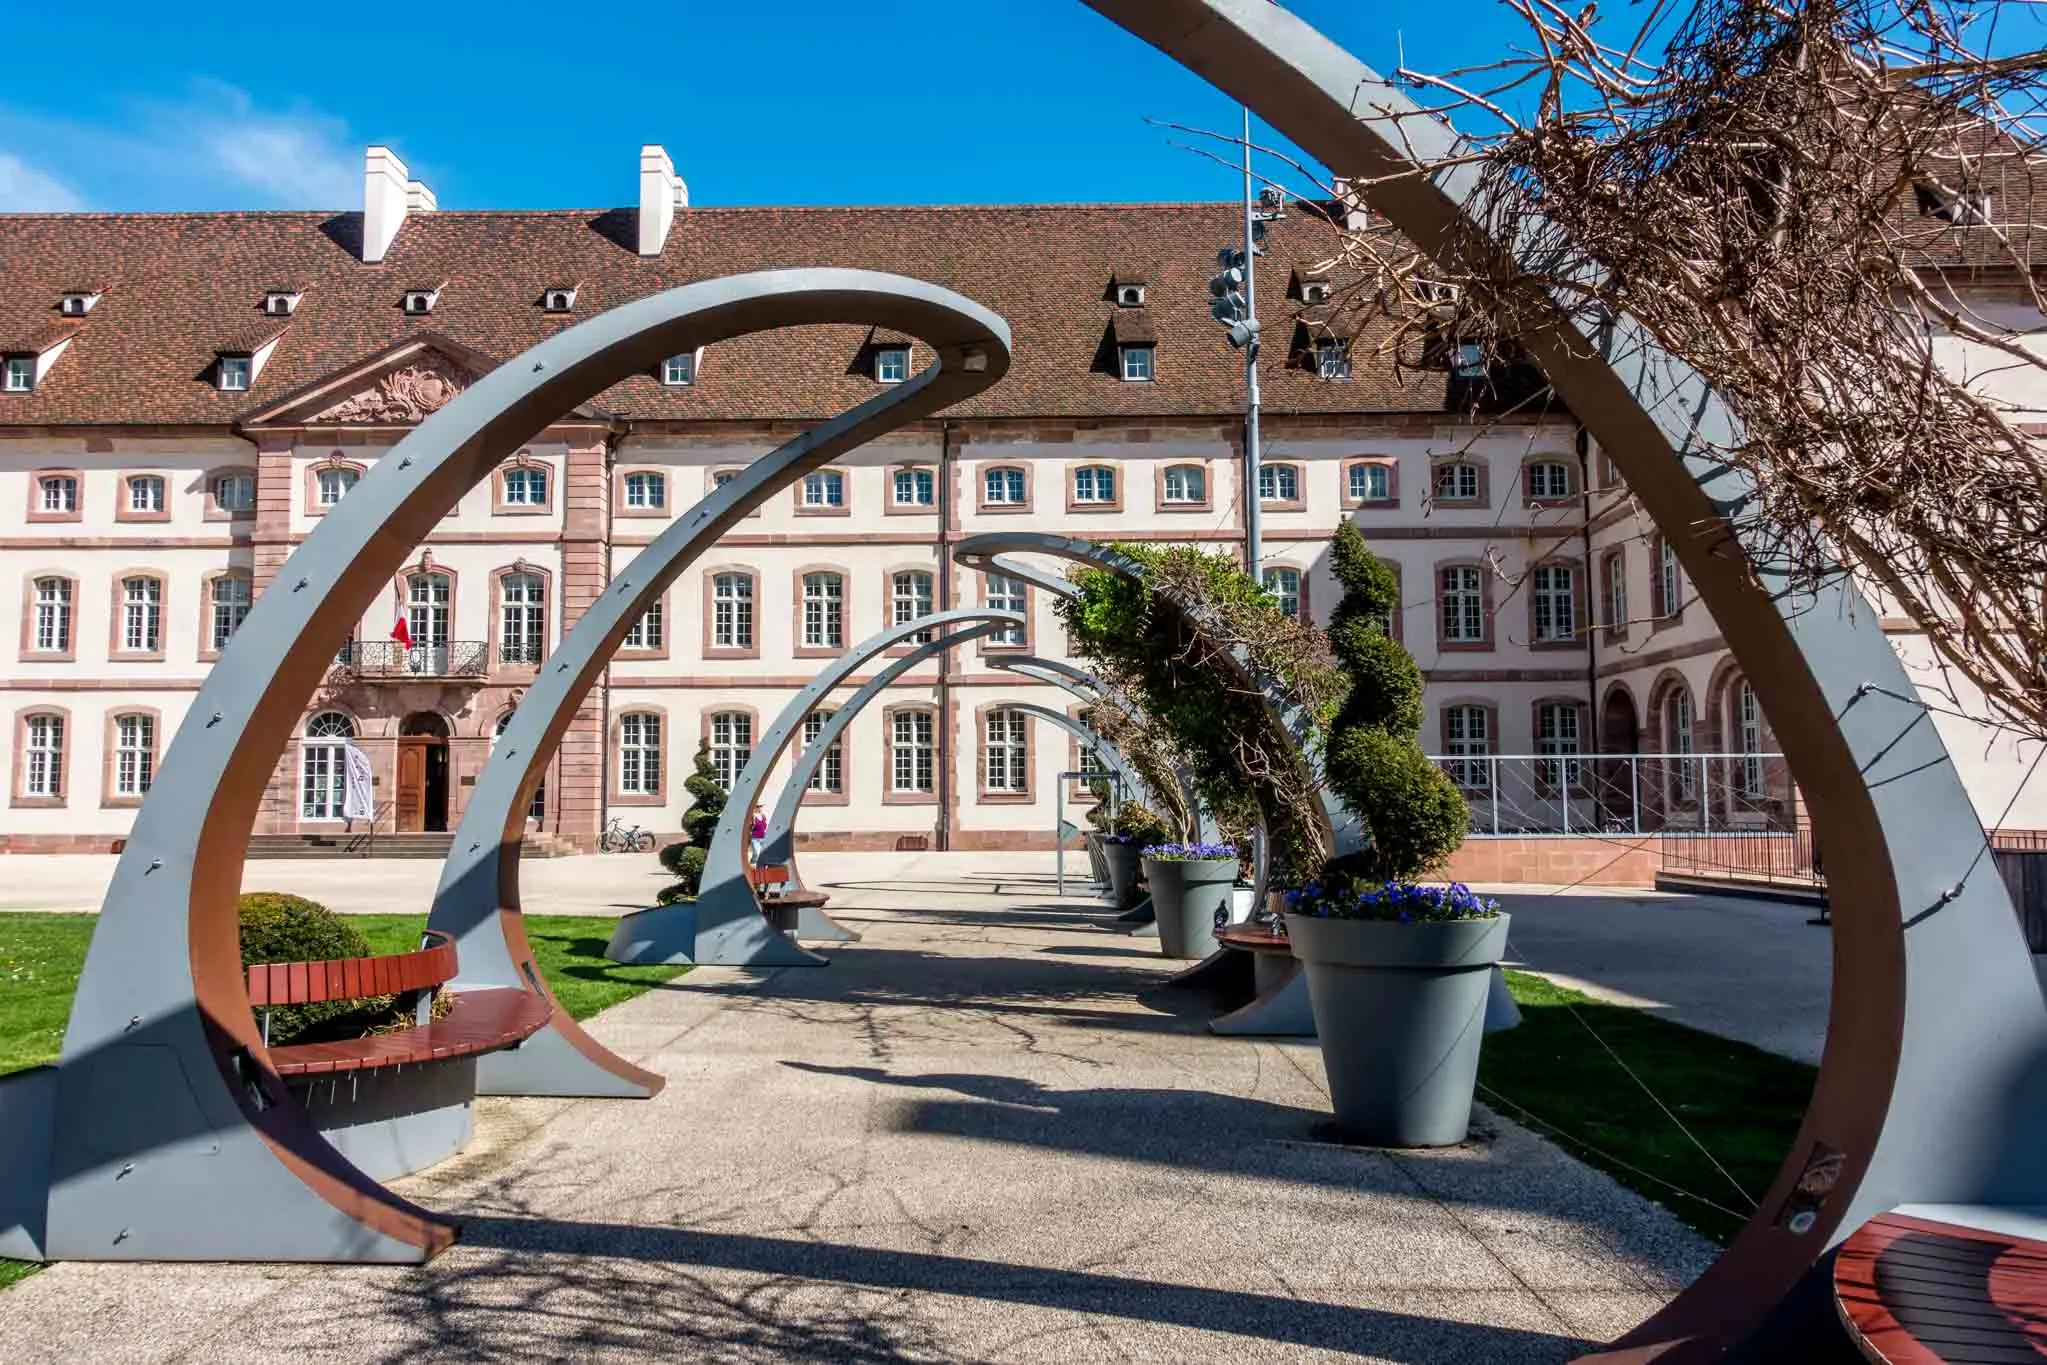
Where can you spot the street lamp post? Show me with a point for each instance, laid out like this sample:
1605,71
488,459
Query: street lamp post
1234,291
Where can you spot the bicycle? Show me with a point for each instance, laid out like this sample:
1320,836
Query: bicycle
617,838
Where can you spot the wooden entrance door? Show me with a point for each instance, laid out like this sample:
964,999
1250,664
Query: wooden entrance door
410,804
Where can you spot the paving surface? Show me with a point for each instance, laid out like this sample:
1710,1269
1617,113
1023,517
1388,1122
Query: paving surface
984,1133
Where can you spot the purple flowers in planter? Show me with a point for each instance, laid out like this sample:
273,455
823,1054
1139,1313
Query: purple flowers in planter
1399,902
1188,853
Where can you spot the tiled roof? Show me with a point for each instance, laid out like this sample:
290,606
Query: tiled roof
182,287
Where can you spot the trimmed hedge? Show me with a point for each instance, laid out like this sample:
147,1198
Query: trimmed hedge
278,927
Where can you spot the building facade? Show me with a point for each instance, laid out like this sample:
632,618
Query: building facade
185,395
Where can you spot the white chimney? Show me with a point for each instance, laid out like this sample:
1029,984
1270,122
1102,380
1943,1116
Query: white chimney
389,193
661,194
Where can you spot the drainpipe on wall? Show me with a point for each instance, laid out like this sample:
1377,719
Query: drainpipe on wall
942,731
1593,587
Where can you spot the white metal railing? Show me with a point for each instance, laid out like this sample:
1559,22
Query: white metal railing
1580,793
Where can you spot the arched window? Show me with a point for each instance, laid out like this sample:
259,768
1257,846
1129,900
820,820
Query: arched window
1094,485
646,491
537,808
141,614
1683,773
1548,481
916,486
824,610
731,745
911,765
1004,486
1008,594
231,595
429,599
1285,584
323,766
824,490
732,610
52,629
57,495
42,757
910,596
1747,728
522,624
1279,483
1184,485
1368,481
1006,752
526,487
639,754
234,493
830,776
146,495
134,766
1457,481
332,482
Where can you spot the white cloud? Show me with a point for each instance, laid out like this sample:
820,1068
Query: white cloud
24,189
301,159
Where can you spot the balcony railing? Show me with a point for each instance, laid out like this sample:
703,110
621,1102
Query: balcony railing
1624,794
388,659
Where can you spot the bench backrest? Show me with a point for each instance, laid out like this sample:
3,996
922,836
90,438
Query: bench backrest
353,978
774,874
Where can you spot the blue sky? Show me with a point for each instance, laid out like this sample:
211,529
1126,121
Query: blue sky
530,105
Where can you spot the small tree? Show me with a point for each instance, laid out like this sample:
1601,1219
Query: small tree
1411,809
686,860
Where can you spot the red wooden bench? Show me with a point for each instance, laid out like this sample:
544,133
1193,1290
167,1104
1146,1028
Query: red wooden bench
475,1021
1918,1291
771,885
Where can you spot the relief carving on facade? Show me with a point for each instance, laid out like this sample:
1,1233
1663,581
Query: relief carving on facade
403,395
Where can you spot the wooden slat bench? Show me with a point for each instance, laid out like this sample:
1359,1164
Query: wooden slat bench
475,1021
771,887
1917,1291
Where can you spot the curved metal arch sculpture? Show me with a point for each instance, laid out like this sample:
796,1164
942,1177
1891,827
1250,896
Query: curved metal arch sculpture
171,1135
725,900
1936,1030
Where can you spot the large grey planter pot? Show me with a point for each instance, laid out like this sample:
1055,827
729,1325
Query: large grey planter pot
1122,864
1190,897
1400,1009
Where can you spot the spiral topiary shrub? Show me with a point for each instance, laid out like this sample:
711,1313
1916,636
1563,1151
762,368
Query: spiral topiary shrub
671,856
1414,813
688,869
277,927
708,795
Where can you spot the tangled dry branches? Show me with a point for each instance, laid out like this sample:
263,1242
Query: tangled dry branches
1826,207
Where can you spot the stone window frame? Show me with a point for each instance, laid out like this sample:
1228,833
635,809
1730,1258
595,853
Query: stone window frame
622,510
1207,502
20,798
984,794
207,653
1075,505
711,649
844,507
110,754
1571,494
990,644
711,481
401,589
117,616
1486,642
123,505
893,507
844,795
798,602
1491,709
213,510
1302,572
1030,492
314,508
1299,501
1667,608
1389,463
889,795
35,495
1585,756
1580,621
525,460
494,625
660,651
707,723
888,599
75,601
615,760
1613,613
1484,497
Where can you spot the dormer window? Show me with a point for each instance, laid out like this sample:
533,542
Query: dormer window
77,303
1467,360
234,373
1968,207
1130,296
419,302
280,303
18,374
559,300
679,370
1138,363
891,364
1315,291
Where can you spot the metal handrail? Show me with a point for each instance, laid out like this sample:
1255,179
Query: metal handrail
390,659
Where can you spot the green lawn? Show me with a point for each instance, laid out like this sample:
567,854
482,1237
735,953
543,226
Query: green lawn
1743,1105
41,956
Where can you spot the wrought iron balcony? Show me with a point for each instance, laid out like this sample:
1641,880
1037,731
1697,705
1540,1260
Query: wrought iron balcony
388,660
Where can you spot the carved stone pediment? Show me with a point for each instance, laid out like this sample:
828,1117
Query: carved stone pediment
407,394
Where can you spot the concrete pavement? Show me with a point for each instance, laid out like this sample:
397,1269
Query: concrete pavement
984,1133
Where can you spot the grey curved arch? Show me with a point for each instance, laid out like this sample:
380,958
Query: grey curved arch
724,924
779,847
1935,1012
1021,570
170,1134
1080,730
